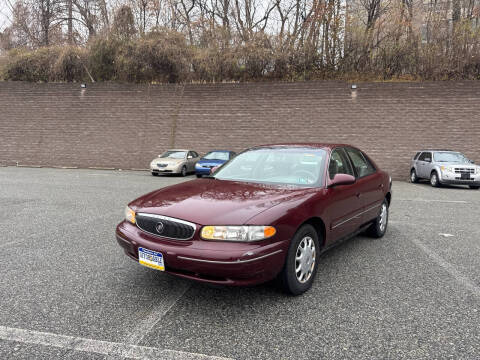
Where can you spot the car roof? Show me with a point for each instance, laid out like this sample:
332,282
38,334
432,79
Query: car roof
310,145
433,150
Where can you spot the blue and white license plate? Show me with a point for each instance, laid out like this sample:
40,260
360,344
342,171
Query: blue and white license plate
151,259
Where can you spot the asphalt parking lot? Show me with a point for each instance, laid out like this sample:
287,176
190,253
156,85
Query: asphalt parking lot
67,290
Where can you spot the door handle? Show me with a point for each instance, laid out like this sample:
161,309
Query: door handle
380,186
358,194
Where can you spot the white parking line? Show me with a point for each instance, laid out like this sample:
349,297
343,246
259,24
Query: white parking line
457,275
98,346
160,308
433,200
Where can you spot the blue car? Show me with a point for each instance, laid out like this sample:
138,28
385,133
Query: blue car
212,159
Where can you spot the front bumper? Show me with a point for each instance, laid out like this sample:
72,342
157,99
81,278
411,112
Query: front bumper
238,264
166,170
202,171
454,179
460,182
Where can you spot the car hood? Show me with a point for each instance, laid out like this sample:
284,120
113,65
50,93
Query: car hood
206,162
456,164
167,161
216,202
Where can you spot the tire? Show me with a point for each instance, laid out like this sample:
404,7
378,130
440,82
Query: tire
474,187
199,176
294,282
413,176
154,174
379,226
183,173
434,179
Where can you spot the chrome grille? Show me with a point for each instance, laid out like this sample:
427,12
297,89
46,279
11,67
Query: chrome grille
464,171
164,226
162,165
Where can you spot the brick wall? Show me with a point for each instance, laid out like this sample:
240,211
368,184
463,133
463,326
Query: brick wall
125,126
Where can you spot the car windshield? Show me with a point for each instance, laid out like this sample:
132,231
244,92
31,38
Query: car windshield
288,166
450,157
174,154
216,155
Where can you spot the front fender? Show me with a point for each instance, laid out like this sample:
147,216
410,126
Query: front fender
287,216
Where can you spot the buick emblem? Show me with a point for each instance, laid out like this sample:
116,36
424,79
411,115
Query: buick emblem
159,227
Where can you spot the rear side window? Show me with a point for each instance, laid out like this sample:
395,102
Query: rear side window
362,166
339,164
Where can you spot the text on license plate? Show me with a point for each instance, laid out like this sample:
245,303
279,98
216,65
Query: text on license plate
150,258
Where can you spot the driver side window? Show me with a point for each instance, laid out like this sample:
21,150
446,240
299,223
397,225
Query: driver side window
339,164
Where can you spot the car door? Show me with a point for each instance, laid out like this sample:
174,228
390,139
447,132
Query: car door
345,204
369,185
423,163
190,161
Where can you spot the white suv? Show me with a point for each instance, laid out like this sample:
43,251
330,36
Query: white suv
444,167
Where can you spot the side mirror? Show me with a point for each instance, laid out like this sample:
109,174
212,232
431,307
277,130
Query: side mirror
342,179
215,168
189,157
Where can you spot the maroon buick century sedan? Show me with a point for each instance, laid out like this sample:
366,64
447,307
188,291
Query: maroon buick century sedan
267,213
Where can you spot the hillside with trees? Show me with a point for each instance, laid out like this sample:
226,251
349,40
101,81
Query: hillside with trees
156,41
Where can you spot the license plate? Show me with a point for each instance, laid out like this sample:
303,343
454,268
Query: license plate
151,259
465,176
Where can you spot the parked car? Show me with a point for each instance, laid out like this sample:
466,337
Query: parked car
269,212
175,161
212,160
444,167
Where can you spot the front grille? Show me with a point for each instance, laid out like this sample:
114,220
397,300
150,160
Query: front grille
162,165
165,226
464,171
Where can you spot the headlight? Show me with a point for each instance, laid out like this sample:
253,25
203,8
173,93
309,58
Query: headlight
477,170
237,233
447,168
129,215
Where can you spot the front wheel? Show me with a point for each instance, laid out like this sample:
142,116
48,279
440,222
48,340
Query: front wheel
184,171
154,174
379,226
434,179
301,262
199,176
474,187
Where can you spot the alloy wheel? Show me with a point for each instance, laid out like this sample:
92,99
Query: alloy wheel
413,176
383,218
305,259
